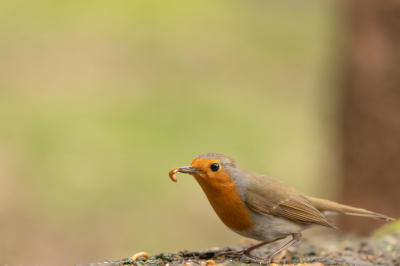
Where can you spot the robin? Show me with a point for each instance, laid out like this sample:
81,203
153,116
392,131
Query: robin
259,207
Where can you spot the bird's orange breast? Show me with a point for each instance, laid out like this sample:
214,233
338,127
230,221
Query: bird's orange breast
223,195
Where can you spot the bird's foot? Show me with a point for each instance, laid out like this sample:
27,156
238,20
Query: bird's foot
269,259
243,255
235,254
260,261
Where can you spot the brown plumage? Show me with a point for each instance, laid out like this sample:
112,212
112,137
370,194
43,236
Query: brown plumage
282,201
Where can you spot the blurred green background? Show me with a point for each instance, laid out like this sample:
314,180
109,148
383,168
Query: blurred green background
100,99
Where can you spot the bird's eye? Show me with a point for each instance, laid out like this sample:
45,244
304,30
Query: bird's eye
214,167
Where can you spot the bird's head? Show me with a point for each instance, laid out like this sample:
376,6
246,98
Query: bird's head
212,168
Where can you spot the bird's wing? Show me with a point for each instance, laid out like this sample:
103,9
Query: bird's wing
272,197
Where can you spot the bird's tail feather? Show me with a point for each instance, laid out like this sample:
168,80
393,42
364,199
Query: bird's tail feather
330,206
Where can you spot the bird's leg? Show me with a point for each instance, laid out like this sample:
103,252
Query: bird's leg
270,258
245,252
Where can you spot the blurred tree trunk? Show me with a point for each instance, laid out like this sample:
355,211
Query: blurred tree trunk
371,112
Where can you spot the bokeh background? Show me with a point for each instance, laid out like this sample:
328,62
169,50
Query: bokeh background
100,99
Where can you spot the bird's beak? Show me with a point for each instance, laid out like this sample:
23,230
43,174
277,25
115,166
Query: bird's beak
188,170
183,169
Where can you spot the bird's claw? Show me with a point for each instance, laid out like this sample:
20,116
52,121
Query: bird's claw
235,254
268,260
245,256
260,261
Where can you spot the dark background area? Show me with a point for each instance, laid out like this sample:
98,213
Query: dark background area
370,124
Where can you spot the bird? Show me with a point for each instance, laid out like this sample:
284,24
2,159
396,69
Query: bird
260,207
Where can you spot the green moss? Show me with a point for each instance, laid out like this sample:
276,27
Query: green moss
388,229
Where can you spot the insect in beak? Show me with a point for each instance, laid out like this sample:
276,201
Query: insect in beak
183,169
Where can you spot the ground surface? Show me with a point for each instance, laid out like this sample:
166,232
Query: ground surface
316,251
